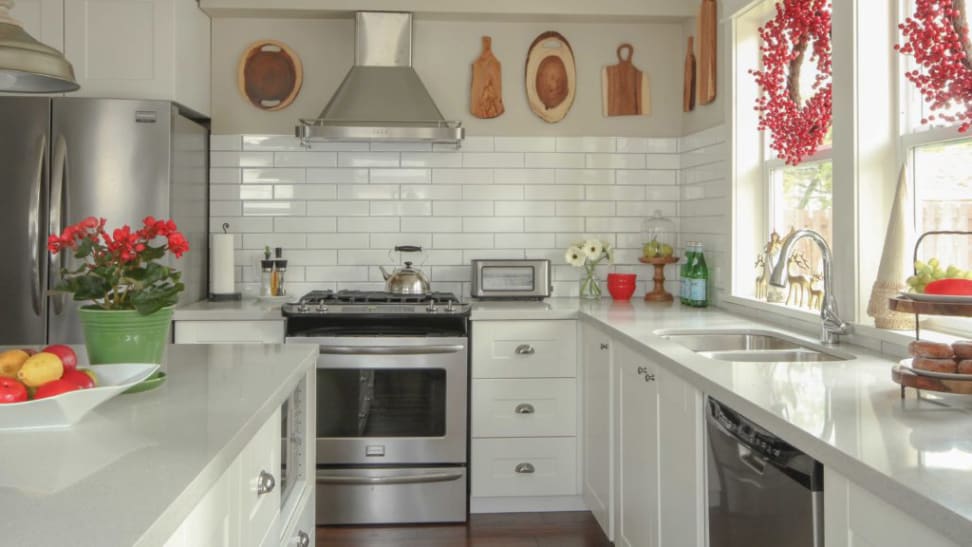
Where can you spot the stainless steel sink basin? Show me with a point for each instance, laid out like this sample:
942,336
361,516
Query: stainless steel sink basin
752,346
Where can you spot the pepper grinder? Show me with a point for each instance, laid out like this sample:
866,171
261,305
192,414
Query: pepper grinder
279,271
266,273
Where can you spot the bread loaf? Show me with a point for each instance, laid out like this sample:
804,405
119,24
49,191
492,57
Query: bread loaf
965,367
962,349
931,350
934,365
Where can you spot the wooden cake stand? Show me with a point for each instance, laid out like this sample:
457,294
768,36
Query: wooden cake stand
659,294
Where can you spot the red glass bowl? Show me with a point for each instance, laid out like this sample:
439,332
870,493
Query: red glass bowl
621,286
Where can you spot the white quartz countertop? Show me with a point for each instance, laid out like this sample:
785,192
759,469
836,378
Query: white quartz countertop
131,471
233,310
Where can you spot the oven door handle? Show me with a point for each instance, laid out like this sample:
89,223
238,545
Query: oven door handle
390,350
393,479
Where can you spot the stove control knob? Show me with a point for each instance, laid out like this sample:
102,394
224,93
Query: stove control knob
450,307
431,308
321,308
302,308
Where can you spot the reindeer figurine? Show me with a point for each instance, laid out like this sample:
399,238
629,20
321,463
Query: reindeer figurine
797,268
816,291
762,277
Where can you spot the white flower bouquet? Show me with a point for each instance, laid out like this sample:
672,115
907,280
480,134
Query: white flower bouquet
588,255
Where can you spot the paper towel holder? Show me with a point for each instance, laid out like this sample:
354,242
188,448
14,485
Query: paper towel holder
224,297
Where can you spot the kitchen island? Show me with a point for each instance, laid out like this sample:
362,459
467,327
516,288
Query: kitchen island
135,468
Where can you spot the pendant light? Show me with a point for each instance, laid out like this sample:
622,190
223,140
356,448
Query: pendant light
28,66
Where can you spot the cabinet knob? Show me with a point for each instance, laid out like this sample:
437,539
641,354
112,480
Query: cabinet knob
649,377
525,408
604,346
524,468
303,540
265,483
642,370
524,349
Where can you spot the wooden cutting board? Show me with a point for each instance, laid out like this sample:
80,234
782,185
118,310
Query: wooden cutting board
707,21
688,82
624,88
269,75
486,90
550,76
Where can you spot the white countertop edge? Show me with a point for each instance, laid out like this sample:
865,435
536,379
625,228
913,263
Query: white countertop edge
926,510
248,309
170,520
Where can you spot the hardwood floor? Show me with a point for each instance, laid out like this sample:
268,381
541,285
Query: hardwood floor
566,529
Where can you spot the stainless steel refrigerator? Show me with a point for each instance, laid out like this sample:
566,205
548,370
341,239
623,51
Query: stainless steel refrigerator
64,159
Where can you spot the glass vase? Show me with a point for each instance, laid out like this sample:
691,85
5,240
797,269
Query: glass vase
590,287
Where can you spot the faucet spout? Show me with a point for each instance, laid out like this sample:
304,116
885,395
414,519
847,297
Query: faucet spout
832,325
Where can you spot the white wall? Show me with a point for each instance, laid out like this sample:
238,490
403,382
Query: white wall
442,56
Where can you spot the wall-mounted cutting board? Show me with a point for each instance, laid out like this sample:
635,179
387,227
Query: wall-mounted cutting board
707,21
688,82
486,90
269,75
551,77
624,88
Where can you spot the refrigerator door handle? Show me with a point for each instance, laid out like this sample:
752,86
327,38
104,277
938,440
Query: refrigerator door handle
34,232
58,206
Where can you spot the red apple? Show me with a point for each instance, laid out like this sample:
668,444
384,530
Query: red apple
76,376
55,387
12,391
67,356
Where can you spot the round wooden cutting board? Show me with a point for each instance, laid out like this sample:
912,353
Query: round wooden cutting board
270,75
551,77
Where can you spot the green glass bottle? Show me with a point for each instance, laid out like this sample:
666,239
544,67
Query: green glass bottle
683,273
699,280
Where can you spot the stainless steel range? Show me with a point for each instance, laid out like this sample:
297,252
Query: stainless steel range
392,392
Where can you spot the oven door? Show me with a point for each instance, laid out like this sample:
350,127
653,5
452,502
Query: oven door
391,400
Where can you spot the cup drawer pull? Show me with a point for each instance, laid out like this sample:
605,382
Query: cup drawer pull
525,408
524,468
525,349
265,483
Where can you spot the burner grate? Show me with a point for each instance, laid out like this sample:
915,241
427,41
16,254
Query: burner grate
373,297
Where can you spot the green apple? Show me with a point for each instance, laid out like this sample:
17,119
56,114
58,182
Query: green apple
651,249
666,250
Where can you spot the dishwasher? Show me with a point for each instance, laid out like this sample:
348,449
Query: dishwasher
763,492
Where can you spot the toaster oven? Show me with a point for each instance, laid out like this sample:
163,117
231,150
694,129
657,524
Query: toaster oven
515,279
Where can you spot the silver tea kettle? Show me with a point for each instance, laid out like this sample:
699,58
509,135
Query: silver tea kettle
407,280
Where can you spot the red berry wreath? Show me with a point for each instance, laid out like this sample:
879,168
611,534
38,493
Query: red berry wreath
937,36
797,126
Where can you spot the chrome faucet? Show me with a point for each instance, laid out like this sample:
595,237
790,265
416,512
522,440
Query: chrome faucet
832,326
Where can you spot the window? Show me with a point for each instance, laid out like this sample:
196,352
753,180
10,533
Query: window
802,197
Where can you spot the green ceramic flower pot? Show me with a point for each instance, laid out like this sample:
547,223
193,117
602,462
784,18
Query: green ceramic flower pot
125,336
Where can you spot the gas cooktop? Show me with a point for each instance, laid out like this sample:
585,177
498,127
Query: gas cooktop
327,302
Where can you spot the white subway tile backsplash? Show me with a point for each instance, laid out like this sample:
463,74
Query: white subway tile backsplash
368,224
497,159
337,208
401,208
401,176
274,208
302,191
554,160
305,159
462,176
431,159
337,176
274,174
368,159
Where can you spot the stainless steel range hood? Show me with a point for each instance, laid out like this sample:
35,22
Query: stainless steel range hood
382,97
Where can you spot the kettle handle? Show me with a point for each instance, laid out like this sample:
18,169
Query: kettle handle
408,248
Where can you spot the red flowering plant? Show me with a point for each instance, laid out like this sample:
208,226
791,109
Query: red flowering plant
119,270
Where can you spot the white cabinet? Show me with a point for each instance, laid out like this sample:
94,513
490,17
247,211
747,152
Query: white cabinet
147,49
853,517
598,431
128,49
300,532
42,19
637,476
260,468
229,332
524,416
213,520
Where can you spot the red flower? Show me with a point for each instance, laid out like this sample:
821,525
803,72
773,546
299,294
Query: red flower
177,244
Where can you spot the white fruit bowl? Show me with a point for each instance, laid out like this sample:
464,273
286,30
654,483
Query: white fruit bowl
67,409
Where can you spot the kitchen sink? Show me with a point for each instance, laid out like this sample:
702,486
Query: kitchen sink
752,346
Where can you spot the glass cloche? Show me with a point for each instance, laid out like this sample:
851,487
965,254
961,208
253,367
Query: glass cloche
658,236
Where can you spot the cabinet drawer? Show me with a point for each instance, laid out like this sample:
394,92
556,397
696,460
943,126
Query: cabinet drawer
229,332
524,467
524,407
261,456
524,349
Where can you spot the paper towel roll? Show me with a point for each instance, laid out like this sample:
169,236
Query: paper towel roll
222,264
